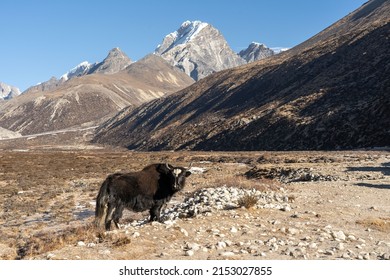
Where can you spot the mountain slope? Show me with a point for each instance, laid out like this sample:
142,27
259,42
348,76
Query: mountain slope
330,92
198,49
89,98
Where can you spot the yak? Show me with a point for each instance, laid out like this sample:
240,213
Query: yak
148,189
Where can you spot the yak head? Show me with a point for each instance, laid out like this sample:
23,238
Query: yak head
177,175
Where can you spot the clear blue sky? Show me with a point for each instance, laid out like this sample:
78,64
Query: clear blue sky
45,38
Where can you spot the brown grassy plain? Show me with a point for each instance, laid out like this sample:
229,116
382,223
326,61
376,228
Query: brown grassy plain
47,206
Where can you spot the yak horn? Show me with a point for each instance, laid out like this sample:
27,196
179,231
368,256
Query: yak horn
167,166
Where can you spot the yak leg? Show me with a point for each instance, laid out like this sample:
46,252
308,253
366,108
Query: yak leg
155,213
110,212
117,215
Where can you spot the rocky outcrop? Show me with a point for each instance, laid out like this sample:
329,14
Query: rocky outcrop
115,61
256,51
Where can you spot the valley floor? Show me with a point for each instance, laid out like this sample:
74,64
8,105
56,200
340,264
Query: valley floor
312,205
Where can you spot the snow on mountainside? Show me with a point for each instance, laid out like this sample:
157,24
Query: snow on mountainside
77,71
198,49
278,50
115,61
187,32
8,92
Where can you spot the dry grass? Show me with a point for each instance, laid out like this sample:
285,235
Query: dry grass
41,243
381,224
238,181
247,201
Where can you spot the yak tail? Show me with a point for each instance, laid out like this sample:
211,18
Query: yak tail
101,203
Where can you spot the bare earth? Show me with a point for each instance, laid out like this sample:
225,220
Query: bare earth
338,206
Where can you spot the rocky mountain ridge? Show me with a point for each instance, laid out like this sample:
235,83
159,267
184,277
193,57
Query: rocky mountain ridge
88,99
330,92
115,61
199,49
256,51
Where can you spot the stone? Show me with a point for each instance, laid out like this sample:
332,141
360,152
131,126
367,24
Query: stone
351,237
184,232
221,245
338,235
227,254
233,230
193,246
189,253
340,246
329,252
292,231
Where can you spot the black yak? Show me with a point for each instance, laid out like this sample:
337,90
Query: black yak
148,189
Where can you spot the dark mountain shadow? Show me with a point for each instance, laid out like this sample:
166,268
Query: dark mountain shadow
381,186
385,168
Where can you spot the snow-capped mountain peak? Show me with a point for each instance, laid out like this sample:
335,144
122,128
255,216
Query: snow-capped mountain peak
79,70
187,32
8,92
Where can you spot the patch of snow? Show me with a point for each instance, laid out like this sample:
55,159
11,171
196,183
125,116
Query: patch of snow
279,49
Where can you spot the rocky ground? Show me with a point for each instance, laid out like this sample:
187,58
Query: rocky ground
252,205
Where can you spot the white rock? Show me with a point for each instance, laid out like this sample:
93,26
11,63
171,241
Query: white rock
346,256
183,231
340,246
189,253
193,246
227,254
338,235
292,231
329,252
80,244
351,237
221,245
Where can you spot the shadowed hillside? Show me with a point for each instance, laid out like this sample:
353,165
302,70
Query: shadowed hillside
329,92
